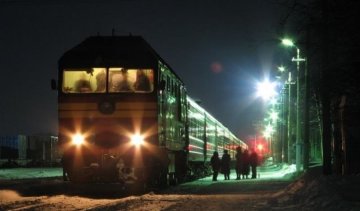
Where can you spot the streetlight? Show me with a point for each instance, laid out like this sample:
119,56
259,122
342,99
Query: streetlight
281,68
269,129
286,131
266,89
268,133
274,116
287,42
276,147
298,59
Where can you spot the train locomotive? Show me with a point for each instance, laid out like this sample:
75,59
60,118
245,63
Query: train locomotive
125,116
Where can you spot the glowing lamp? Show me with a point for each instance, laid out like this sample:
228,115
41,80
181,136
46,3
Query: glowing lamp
287,42
266,90
78,139
137,139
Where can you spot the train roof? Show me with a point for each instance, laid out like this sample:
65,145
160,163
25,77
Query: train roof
105,51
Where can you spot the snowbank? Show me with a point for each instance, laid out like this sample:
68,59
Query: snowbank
314,191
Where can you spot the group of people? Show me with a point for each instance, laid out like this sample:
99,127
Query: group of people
244,160
120,83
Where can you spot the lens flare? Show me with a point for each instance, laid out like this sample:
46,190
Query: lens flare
137,139
78,139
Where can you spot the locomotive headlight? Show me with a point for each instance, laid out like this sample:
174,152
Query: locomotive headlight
137,139
78,139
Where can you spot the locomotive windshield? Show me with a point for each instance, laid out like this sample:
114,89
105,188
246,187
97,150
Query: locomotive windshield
108,80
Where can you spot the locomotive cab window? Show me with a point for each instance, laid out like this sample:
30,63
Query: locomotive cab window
131,80
118,80
87,80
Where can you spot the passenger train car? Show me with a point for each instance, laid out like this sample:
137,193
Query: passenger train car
125,116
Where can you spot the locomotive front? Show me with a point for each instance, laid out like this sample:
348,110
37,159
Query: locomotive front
108,111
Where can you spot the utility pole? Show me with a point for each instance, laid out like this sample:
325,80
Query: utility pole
298,122
284,112
289,120
298,150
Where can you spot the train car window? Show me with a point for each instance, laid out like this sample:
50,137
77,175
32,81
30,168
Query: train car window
168,84
162,85
131,80
86,80
174,88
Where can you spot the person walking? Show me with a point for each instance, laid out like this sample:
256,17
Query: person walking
225,165
238,165
215,164
245,164
253,163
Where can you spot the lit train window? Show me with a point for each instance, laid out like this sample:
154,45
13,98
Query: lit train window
85,80
131,80
93,80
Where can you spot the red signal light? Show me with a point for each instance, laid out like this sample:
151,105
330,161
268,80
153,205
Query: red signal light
260,147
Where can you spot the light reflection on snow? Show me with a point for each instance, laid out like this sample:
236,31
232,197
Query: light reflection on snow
265,173
26,173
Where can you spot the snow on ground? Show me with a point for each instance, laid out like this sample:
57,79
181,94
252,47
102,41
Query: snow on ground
268,172
314,191
10,200
276,189
27,173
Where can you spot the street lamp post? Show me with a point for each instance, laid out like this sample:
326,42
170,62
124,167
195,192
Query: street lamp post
289,120
298,122
298,59
288,110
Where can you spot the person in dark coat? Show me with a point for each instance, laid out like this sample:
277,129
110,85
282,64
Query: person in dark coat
225,165
120,83
82,85
238,165
245,165
215,164
253,163
142,82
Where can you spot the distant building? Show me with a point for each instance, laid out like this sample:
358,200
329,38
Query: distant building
23,149
13,147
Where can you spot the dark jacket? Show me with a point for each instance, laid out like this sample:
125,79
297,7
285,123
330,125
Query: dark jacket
253,159
225,163
215,163
245,158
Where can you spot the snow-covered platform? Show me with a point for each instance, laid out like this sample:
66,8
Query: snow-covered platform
28,173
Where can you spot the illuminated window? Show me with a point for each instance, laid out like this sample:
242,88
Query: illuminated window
90,80
130,80
93,80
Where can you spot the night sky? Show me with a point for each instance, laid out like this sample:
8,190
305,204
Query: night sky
219,49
